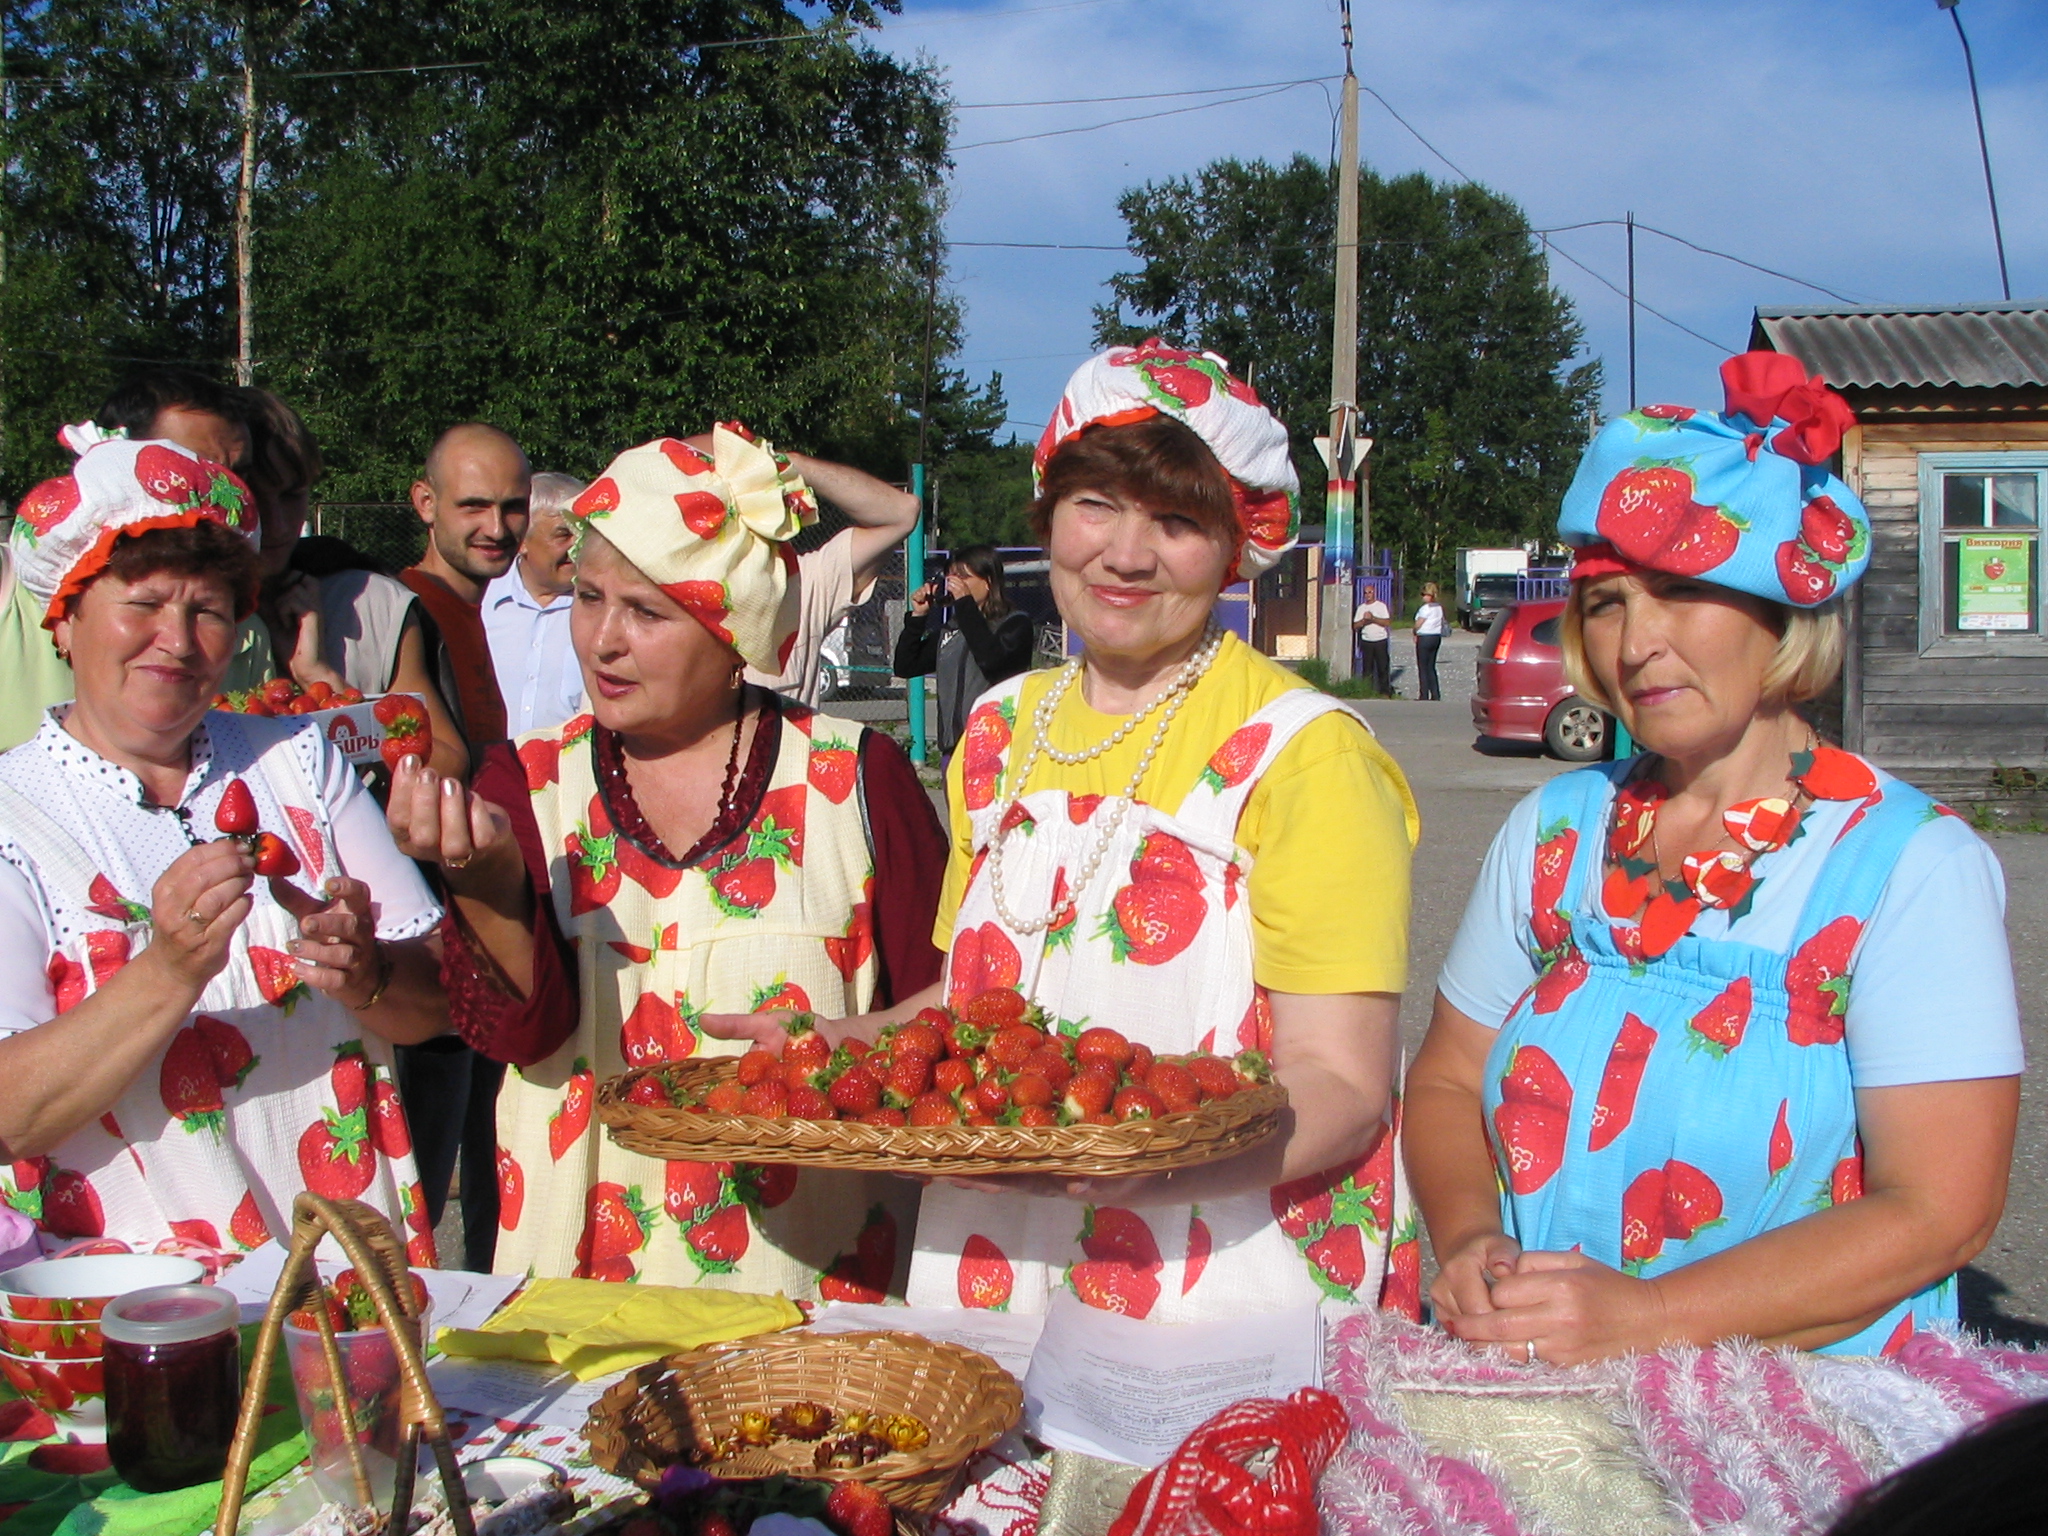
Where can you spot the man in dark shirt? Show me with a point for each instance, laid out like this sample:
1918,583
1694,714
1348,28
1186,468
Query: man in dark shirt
473,495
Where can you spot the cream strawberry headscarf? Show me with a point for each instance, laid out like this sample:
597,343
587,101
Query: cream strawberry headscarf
65,529
713,533
1128,384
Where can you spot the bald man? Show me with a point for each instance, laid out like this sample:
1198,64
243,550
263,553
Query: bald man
473,495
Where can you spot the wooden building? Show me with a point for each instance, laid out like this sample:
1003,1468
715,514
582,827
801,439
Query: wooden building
1946,677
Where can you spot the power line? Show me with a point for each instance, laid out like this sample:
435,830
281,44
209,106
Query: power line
1141,117
1081,101
1706,250
1637,300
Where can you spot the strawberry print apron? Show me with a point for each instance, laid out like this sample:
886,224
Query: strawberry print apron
1159,947
1653,1113
270,1088
777,918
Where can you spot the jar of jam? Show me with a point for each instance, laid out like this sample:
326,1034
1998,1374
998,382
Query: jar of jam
174,1384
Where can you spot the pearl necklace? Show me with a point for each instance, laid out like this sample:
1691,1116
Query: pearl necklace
1168,703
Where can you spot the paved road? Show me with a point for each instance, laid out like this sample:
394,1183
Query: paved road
1465,794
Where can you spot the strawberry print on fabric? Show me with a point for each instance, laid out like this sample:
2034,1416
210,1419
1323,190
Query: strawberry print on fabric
1724,1094
983,746
1649,515
1120,1272
1237,757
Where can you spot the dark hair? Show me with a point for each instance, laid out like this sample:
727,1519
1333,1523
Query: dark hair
283,453
145,392
1987,1483
981,560
204,549
1159,462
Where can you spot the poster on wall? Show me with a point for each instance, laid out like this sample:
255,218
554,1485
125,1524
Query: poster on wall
1993,588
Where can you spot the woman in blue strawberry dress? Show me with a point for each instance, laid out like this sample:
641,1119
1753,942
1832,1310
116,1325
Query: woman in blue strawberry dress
1727,1043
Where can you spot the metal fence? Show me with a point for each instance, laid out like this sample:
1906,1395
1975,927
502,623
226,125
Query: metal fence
389,532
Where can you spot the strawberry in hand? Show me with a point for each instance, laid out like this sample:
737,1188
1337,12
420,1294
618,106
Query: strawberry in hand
407,731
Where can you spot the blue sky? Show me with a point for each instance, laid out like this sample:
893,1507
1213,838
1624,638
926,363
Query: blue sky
1829,139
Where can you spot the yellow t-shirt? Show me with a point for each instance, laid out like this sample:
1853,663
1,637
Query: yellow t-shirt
1330,827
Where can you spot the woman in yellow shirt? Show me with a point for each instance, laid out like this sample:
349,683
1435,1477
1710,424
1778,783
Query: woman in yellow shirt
1174,837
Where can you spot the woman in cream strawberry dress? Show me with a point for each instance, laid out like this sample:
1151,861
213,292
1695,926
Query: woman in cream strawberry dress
187,1045
694,843
1174,837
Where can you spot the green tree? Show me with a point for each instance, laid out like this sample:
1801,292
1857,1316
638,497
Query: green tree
594,230
1466,381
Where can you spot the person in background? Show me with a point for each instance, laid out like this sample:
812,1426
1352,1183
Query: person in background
1369,619
37,676
984,642
331,618
839,575
526,615
473,495
693,843
1429,639
186,1044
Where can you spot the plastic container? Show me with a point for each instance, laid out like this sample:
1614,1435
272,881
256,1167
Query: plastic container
173,1370
369,1367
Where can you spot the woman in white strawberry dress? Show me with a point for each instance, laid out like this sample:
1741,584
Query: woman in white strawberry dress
693,843
1727,1043
1174,837
189,1039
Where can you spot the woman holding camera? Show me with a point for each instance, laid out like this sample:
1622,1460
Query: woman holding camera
979,641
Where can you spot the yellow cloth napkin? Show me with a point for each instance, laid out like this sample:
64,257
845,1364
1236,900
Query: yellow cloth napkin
594,1327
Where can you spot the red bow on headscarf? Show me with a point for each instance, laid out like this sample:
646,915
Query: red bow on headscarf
1768,386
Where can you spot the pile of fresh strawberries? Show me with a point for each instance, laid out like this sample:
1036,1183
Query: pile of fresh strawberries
282,696
995,1060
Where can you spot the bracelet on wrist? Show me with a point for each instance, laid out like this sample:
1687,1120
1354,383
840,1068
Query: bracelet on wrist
384,970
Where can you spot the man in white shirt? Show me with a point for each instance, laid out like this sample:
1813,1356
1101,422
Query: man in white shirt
1370,620
526,616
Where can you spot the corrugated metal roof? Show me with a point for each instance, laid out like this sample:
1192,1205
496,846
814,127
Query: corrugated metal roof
1972,346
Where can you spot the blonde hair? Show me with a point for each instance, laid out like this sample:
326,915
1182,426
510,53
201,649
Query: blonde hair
1804,666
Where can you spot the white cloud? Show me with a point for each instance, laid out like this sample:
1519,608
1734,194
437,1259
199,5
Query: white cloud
1831,139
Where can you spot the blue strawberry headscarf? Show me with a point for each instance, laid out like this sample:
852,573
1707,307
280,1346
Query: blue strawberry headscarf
1742,499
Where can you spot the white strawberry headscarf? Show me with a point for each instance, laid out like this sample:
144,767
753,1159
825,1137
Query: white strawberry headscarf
65,529
1127,384
713,533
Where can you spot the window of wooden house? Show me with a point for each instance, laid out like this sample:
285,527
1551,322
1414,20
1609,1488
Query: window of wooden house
1981,518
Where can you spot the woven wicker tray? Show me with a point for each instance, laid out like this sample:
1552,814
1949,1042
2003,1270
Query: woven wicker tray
646,1422
1217,1130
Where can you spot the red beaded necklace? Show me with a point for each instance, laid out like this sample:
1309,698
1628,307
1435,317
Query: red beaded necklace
1720,878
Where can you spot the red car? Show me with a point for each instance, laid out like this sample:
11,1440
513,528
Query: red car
1522,694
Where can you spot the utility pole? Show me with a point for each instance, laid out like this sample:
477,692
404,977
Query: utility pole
913,546
1342,450
1631,310
245,355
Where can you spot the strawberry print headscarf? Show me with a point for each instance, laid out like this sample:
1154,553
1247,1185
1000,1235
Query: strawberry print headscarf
1742,499
1128,384
64,529
713,533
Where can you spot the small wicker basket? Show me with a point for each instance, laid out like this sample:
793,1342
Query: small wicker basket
1219,1129
650,1420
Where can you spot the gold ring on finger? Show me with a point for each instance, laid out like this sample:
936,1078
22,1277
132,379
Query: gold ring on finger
461,863
195,919
1530,1358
